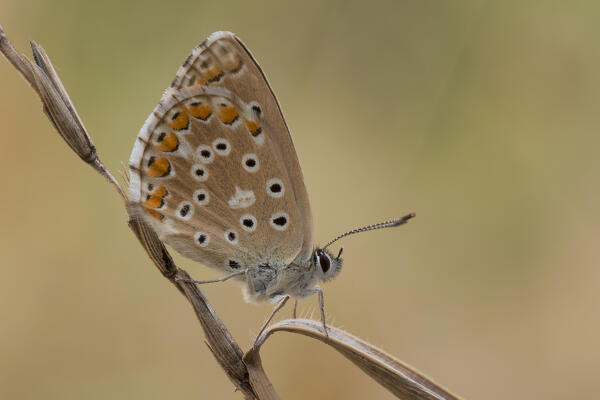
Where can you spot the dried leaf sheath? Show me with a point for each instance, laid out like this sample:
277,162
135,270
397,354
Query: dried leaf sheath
400,379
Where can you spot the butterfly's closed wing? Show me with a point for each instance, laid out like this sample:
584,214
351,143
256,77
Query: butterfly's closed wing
214,166
223,60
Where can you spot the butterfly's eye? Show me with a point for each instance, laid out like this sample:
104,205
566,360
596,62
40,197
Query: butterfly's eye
324,262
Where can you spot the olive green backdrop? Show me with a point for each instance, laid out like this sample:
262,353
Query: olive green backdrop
481,117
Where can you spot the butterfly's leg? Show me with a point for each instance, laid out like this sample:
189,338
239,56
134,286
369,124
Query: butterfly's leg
221,279
295,306
317,290
277,308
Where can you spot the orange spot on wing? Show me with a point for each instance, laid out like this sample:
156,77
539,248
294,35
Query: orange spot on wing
179,120
201,82
159,167
161,191
200,110
253,126
168,143
234,65
156,214
213,73
154,202
228,114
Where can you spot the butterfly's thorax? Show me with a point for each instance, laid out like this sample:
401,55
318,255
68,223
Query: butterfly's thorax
270,282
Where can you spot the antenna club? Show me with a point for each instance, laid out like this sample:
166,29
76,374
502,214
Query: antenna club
403,220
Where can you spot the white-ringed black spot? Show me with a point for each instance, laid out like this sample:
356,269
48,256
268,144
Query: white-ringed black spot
205,154
280,221
232,264
248,222
185,210
150,187
221,147
250,162
231,236
201,197
257,110
199,172
275,188
201,239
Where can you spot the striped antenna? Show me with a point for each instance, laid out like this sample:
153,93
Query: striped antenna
386,224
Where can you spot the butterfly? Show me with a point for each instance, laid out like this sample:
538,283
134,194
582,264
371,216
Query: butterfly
215,173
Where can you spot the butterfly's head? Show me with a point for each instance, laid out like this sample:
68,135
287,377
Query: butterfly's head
326,265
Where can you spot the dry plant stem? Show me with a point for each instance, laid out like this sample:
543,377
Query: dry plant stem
403,381
222,345
61,112
57,105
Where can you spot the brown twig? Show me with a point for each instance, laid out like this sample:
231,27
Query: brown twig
61,112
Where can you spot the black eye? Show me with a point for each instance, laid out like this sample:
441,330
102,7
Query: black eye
324,262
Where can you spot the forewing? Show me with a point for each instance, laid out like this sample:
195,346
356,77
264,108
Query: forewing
223,60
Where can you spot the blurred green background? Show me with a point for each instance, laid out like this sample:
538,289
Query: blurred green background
480,116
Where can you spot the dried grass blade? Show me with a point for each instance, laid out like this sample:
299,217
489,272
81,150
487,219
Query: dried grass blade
400,379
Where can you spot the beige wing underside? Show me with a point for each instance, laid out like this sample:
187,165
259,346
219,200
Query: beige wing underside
214,167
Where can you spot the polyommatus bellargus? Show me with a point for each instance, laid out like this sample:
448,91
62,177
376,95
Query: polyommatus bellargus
214,171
